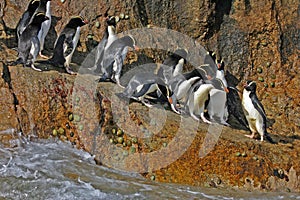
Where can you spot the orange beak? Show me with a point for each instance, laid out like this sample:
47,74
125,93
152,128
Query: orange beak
226,90
170,100
136,48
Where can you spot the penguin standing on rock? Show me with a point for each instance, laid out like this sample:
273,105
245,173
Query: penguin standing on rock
108,38
199,94
26,17
66,43
254,112
114,57
220,74
45,7
28,43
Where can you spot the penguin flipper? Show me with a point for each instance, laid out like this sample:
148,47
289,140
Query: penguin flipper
68,46
117,68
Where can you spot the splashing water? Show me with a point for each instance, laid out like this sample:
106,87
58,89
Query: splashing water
51,169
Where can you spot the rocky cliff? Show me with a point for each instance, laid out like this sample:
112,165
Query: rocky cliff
258,40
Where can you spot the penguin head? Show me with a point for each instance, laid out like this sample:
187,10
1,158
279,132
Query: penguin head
219,62
76,21
250,86
111,21
180,53
129,41
33,5
39,18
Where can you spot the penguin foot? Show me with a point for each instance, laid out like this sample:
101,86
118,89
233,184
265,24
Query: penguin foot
43,56
69,71
120,85
195,117
14,63
175,109
34,68
204,119
250,136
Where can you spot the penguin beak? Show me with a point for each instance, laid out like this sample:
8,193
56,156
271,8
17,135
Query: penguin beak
219,65
172,101
136,48
86,21
226,90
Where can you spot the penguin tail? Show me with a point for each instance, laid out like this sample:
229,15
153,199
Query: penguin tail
17,62
269,139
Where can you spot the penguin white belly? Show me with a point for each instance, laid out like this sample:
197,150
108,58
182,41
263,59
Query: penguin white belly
75,42
184,88
111,38
200,96
45,27
252,115
178,67
220,75
151,89
217,106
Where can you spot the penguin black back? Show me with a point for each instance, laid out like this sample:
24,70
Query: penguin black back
251,87
27,15
42,6
28,37
66,38
34,26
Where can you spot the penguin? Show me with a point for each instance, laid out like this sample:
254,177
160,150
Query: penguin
45,7
66,43
114,57
26,17
143,84
173,65
28,43
254,112
198,95
108,38
217,104
220,74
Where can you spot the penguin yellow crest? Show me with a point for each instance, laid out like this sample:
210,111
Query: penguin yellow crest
34,1
40,14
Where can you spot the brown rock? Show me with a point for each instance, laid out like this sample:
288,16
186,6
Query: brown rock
248,34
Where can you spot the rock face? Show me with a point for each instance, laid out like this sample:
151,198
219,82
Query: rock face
258,40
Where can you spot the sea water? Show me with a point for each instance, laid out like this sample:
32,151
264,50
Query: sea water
52,169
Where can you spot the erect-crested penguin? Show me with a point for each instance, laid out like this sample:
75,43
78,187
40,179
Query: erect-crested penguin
108,38
220,74
198,95
45,7
254,112
66,43
26,17
28,43
114,57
